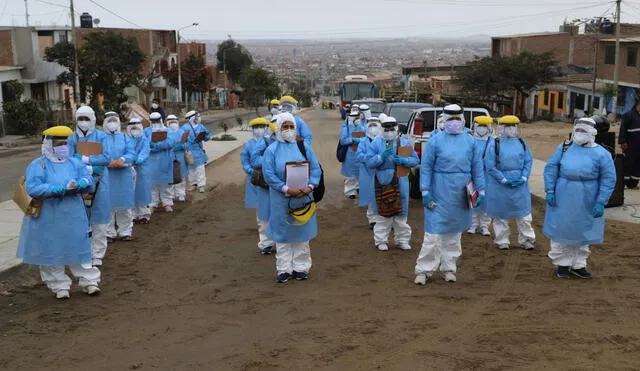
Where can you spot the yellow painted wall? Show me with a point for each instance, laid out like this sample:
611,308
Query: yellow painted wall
559,106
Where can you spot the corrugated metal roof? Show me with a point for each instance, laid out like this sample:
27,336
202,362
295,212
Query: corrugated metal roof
535,34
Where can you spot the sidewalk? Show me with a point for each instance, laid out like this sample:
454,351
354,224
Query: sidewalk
11,215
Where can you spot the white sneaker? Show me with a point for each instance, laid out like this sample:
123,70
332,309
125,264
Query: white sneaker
91,290
201,189
403,247
421,279
504,246
471,231
383,247
63,294
450,277
485,232
181,199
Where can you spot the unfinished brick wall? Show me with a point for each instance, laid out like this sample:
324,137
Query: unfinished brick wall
6,48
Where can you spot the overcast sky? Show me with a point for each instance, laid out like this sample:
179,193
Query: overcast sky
322,19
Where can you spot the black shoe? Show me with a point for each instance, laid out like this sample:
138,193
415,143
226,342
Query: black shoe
300,276
372,225
267,250
283,277
563,272
352,197
582,273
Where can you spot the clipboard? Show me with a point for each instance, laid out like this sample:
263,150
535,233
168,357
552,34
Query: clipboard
472,194
89,148
296,174
185,137
201,136
404,151
158,136
356,134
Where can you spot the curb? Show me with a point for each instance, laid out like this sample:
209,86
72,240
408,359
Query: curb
18,150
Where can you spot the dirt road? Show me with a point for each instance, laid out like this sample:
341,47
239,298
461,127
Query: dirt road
192,293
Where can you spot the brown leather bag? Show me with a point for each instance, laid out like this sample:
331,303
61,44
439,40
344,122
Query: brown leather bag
388,198
257,179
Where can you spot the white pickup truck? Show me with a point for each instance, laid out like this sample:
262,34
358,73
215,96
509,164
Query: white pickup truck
421,123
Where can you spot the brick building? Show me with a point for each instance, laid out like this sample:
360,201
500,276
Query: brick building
628,71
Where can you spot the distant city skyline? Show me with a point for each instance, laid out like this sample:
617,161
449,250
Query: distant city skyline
325,20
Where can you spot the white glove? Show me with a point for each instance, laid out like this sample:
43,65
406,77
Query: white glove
90,169
85,159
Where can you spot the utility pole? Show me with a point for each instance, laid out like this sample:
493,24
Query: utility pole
26,11
595,69
617,59
76,88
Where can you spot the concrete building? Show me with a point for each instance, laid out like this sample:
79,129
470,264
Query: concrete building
628,71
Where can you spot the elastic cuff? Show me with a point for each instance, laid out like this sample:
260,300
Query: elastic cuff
284,189
90,169
503,181
85,159
424,193
481,192
311,186
525,178
551,192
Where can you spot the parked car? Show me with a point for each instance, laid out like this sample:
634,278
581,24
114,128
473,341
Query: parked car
421,123
376,105
402,112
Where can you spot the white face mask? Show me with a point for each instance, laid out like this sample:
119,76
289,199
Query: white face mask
482,131
373,131
454,127
112,127
390,135
174,126
84,125
258,133
136,132
351,120
583,139
289,135
154,105
510,132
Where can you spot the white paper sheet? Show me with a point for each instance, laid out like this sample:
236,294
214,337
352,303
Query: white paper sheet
297,175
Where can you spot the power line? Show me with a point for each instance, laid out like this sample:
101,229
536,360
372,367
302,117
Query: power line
115,14
483,3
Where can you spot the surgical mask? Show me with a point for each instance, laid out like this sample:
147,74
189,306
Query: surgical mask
84,125
351,120
258,133
453,127
174,126
390,135
154,105
289,135
482,131
136,132
373,131
156,125
583,139
112,127
510,132
274,111
61,152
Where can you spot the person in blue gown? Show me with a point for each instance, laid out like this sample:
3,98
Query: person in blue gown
195,148
350,167
160,164
290,104
482,134
367,197
143,184
179,190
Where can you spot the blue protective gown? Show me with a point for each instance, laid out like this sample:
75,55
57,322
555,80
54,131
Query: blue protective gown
350,166
60,235
100,212
303,131
275,158
178,152
160,160
143,171
365,174
250,194
581,178
449,162
262,195
384,170
121,179
481,146
503,201
196,148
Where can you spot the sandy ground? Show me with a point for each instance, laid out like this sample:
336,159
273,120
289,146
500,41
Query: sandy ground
192,293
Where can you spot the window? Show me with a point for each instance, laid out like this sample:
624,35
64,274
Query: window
596,103
63,37
560,100
546,98
580,100
610,55
632,56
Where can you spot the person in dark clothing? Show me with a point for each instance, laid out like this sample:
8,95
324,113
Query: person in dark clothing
155,107
629,139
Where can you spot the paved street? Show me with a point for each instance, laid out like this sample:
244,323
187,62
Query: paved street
192,292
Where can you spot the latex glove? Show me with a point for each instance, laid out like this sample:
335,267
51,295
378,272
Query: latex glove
356,140
56,190
78,156
479,200
598,210
98,170
429,202
387,153
250,171
139,162
551,199
82,184
71,184
398,160
515,183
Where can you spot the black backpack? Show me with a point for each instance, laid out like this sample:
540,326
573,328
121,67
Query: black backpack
497,149
318,192
341,150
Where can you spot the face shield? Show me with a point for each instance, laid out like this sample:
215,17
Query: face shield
173,124
111,124
289,107
374,129
286,128
508,131
584,132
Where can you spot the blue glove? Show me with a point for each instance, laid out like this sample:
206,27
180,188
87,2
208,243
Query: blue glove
139,162
78,156
387,153
478,200
398,160
428,201
56,190
98,170
356,140
515,183
178,147
598,210
250,171
551,199
82,184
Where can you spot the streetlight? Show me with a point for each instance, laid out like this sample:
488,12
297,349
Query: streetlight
194,24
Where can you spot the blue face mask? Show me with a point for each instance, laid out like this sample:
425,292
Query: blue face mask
453,127
61,152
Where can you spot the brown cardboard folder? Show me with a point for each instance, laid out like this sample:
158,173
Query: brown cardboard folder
356,134
89,148
201,136
158,136
185,137
404,151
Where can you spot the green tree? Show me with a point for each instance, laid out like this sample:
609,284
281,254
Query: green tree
258,85
24,117
195,77
234,58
